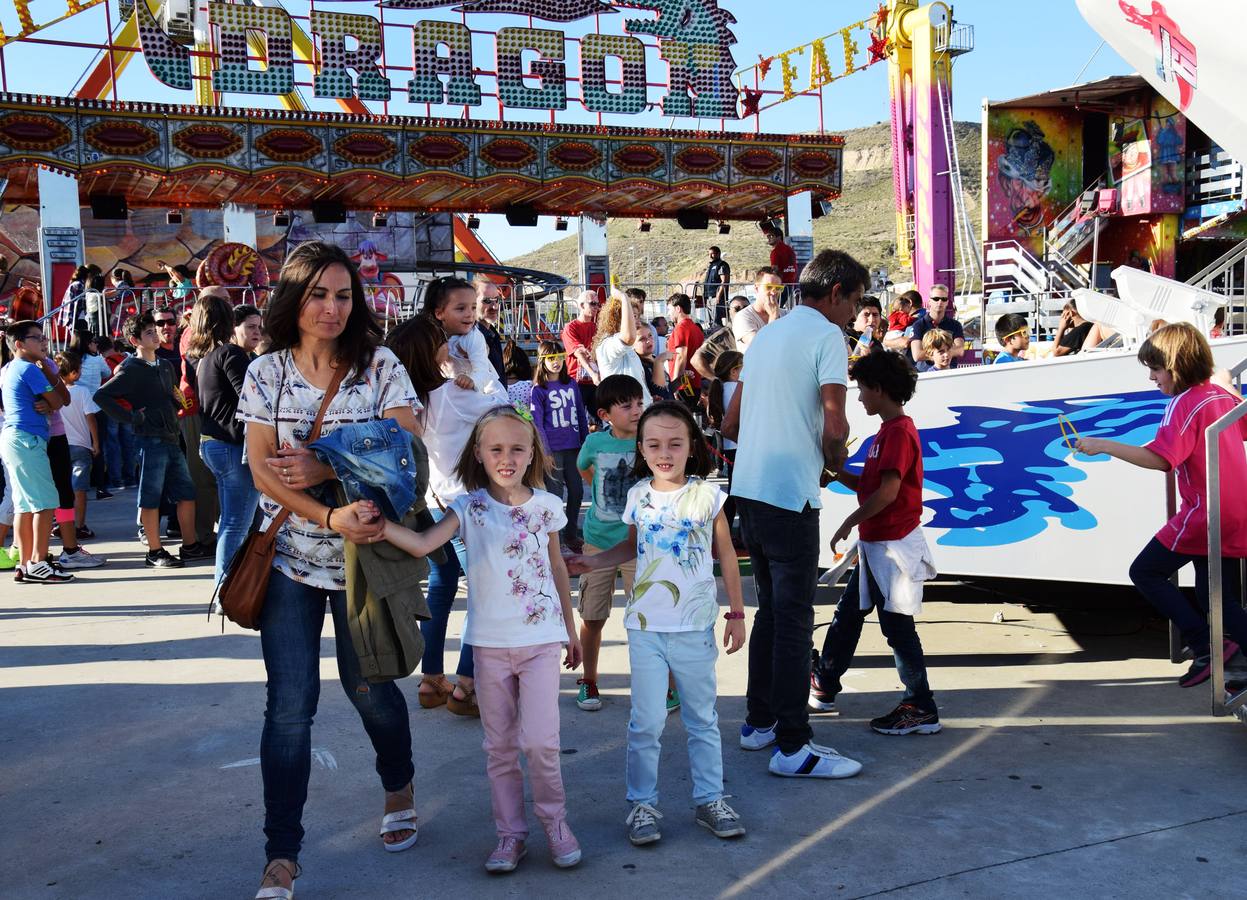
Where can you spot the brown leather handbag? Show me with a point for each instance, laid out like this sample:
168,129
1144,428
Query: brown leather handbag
242,590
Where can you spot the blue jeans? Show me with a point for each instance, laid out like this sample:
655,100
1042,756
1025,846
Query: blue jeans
783,549
290,627
846,630
129,454
163,473
689,656
443,585
237,493
110,444
1150,573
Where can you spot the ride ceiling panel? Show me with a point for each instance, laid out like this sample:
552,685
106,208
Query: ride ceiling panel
180,156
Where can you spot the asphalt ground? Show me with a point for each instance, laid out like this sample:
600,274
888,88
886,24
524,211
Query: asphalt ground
1070,763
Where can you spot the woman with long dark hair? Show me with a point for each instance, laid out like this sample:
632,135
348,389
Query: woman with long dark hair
221,370
320,325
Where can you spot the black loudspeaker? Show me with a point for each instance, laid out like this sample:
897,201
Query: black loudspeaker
691,220
109,206
328,212
521,216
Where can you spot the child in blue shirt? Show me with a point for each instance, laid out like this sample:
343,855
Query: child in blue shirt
29,380
1014,334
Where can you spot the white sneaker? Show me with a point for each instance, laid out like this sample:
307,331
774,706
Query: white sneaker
42,572
81,558
756,738
813,761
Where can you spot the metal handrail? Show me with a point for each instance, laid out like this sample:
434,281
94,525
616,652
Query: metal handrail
1221,705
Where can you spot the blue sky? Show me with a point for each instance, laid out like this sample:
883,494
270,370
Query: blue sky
1019,49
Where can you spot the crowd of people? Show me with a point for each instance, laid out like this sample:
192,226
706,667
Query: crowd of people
441,450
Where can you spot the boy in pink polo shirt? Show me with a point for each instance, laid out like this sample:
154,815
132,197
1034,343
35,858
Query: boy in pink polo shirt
1180,364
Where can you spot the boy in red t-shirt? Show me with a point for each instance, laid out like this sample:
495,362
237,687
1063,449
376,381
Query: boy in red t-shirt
894,559
1180,363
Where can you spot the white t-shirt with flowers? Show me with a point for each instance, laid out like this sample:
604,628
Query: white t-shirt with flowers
512,598
675,588
308,552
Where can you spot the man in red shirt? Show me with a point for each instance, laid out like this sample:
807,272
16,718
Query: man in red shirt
686,337
894,557
578,342
783,259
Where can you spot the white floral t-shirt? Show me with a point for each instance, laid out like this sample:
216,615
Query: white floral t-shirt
675,588
308,552
512,598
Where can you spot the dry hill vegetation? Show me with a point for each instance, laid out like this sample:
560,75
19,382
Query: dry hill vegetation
863,222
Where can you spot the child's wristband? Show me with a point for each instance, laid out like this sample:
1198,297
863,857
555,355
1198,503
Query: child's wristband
729,615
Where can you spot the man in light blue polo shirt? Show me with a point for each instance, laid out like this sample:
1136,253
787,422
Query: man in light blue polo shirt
788,420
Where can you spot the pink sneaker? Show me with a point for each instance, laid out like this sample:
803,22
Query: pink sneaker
564,848
506,855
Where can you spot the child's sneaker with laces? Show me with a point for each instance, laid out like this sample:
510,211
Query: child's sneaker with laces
756,738
80,558
642,825
673,700
588,698
908,719
44,572
813,761
1201,669
506,855
564,848
821,698
721,819
160,558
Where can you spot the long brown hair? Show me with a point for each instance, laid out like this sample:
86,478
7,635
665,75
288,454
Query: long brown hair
610,318
212,322
471,471
415,343
299,274
699,453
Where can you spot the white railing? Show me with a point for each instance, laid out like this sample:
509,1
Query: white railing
1212,176
1009,265
1222,704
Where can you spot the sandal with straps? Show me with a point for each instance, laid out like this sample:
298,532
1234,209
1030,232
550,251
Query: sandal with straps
440,693
403,820
280,893
465,707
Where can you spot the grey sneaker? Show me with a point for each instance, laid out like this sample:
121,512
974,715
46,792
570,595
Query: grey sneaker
721,819
642,825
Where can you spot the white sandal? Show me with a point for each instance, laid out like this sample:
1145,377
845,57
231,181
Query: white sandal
403,820
280,893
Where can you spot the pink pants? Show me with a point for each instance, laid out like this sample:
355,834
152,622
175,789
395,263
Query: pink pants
517,689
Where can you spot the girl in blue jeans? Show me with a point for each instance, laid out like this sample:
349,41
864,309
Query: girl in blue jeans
674,518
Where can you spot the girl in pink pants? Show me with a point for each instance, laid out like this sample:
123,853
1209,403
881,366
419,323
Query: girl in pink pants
519,616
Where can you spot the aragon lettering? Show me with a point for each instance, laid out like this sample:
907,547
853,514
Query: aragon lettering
693,40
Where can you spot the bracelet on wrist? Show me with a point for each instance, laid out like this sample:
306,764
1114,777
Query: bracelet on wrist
729,615
329,518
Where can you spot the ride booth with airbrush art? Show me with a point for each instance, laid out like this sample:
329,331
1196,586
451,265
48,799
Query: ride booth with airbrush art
376,128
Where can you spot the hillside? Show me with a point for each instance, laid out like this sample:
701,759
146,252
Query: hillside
862,222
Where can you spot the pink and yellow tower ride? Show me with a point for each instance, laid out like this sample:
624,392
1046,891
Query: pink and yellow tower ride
920,78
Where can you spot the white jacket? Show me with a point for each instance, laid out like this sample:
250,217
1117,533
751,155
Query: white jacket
899,568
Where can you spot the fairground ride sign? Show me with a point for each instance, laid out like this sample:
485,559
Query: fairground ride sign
691,37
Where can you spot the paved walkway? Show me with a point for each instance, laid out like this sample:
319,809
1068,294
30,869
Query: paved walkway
1070,764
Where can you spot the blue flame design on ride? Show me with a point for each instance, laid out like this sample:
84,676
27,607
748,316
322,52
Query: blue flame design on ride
1003,475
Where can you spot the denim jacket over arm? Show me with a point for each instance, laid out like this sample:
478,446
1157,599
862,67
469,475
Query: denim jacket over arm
381,462
375,461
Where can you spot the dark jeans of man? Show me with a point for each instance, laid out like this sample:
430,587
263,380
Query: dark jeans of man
290,628
846,630
783,549
1150,573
